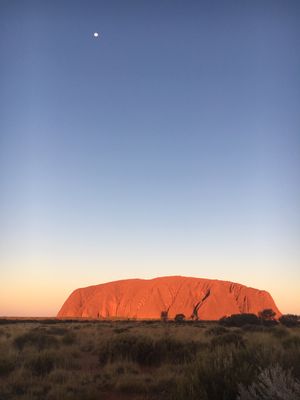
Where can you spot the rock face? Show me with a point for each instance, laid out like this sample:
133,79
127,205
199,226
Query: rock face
141,299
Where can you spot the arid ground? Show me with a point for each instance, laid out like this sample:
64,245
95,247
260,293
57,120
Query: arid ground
57,360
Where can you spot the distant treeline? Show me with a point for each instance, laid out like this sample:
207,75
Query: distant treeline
266,317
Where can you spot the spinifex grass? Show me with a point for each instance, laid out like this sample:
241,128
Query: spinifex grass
142,360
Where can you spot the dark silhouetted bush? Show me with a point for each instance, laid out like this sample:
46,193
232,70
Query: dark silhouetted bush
267,314
179,318
240,320
290,320
50,321
270,322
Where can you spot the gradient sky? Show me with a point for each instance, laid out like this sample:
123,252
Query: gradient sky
168,146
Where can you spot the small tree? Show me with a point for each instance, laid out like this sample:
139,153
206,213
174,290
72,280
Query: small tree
267,314
164,316
267,317
179,318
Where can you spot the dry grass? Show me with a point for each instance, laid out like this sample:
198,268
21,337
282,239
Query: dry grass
140,360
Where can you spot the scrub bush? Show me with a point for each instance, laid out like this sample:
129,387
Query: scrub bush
273,383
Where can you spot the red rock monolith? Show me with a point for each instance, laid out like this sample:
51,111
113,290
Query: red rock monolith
196,298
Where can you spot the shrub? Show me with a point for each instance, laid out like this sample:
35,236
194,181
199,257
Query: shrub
240,320
59,376
49,321
254,328
292,341
272,384
87,347
121,368
215,374
132,384
270,322
279,332
216,331
179,318
69,338
7,365
126,346
267,314
172,350
146,351
231,338
120,330
57,330
290,320
42,364
19,387
37,338
152,387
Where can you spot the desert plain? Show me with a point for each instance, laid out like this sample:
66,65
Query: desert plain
245,359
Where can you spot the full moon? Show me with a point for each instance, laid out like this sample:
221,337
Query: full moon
96,34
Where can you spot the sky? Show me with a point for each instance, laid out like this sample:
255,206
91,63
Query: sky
169,145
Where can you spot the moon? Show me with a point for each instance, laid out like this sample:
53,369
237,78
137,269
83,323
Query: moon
96,34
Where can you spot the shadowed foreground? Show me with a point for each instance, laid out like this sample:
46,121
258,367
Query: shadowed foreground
147,360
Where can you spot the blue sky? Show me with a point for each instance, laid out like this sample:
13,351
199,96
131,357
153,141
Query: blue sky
167,146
